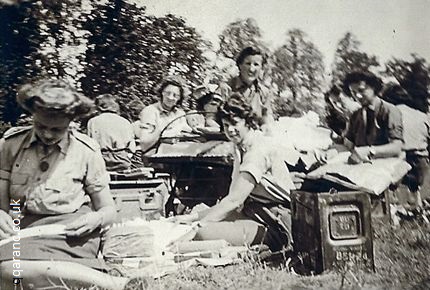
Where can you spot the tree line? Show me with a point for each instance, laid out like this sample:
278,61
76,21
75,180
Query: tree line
116,47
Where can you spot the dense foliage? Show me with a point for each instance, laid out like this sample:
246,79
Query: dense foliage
112,46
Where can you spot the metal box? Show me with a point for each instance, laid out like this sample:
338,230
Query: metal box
332,231
139,198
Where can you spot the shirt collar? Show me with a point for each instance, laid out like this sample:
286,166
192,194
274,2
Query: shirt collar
376,105
63,145
164,111
249,139
238,84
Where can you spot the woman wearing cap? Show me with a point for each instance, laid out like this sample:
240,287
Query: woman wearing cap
154,118
51,175
256,208
208,103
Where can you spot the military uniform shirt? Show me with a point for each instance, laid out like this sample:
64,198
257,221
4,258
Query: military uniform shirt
376,126
256,95
264,161
154,116
75,168
112,132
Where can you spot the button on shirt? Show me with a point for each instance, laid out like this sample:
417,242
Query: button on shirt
75,168
259,156
154,116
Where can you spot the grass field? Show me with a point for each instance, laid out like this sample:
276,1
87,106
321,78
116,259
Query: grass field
402,261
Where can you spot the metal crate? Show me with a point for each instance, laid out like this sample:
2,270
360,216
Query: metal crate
139,198
332,231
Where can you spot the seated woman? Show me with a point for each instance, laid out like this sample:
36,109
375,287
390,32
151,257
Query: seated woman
154,118
208,103
50,175
256,207
113,133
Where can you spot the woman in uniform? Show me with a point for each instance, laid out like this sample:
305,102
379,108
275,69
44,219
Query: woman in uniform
51,175
256,209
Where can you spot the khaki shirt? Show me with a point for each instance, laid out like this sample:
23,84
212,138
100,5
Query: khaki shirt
112,132
256,95
375,126
261,157
154,116
76,168
416,130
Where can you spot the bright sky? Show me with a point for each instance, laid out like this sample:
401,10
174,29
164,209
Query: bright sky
385,27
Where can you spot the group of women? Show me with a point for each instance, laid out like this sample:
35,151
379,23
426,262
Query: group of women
58,177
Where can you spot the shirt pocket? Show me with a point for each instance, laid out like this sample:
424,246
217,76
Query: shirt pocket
63,191
18,182
18,178
64,184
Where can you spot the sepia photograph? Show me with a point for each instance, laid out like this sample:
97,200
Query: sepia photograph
229,144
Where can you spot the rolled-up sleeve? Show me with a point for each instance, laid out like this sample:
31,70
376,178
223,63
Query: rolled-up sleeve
97,178
255,162
395,124
148,119
5,160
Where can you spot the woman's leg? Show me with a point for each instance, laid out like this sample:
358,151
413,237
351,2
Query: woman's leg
40,274
237,233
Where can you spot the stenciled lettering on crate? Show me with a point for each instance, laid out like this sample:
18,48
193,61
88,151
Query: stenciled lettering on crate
332,230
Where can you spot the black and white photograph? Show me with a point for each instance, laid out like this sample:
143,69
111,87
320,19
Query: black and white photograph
229,144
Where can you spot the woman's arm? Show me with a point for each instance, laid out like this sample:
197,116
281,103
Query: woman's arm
240,189
149,130
148,138
104,215
96,185
6,223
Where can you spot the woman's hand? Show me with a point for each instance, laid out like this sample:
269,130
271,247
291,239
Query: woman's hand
185,218
297,178
360,155
6,225
84,225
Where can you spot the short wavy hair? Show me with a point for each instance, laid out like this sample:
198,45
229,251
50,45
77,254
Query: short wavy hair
355,77
250,50
107,103
176,81
54,96
237,107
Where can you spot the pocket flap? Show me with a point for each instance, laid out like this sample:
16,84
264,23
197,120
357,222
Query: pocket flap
18,178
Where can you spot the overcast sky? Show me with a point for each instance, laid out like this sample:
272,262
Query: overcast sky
385,27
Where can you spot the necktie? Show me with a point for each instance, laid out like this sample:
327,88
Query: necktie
46,151
370,125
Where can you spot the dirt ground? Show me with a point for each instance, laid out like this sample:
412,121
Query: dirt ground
401,261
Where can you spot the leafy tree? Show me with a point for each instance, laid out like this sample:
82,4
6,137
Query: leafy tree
238,35
130,52
298,72
348,58
19,40
65,41
414,77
